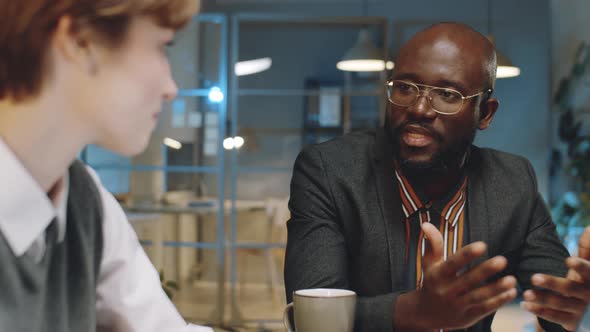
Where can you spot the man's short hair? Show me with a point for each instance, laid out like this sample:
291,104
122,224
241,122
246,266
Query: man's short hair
26,27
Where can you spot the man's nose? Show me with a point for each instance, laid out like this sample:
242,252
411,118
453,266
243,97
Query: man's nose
422,107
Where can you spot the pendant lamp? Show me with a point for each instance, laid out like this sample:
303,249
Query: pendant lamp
364,56
506,68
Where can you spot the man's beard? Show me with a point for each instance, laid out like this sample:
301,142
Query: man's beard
447,158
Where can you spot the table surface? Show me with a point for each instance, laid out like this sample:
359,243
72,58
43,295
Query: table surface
205,206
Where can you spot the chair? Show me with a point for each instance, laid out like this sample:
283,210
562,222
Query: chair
277,214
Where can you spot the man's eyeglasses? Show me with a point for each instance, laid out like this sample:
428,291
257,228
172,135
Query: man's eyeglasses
442,100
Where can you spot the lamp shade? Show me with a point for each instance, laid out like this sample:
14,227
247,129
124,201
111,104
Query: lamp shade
506,68
250,67
363,56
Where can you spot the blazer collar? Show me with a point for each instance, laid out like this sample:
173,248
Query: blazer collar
389,200
383,149
477,203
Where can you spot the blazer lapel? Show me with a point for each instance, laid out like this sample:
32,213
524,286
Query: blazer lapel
477,205
390,208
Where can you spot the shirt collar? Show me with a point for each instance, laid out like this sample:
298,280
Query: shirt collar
62,207
448,206
25,209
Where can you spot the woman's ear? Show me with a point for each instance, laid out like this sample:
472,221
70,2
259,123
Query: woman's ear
64,39
73,46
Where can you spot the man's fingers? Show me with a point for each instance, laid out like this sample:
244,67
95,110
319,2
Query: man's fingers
462,258
475,277
487,292
493,304
579,267
434,245
565,319
573,275
562,286
555,301
584,244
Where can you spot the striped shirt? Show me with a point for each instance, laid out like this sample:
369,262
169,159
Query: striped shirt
448,211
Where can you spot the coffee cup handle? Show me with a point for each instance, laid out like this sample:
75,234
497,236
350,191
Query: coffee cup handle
286,320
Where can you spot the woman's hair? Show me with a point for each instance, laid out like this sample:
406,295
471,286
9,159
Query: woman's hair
26,28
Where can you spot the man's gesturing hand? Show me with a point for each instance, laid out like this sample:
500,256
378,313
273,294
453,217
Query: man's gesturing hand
563,300
453,297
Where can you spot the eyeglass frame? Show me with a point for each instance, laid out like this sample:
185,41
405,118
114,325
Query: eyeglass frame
489,91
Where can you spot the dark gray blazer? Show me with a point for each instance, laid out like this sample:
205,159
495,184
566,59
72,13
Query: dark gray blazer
346,227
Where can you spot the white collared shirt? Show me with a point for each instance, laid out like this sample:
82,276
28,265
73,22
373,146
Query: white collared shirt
129,294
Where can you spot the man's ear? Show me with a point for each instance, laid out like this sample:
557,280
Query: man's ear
487,110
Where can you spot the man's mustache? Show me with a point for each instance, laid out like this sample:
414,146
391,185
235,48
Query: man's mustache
425,126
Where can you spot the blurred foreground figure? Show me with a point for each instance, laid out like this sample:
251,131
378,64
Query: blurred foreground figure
73,73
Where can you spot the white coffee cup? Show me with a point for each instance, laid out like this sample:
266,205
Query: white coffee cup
321,309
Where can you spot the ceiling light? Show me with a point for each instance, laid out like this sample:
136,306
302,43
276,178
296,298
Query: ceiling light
172,143
363,56
506,68
250,67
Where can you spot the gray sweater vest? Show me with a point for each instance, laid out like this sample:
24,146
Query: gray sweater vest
57,294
